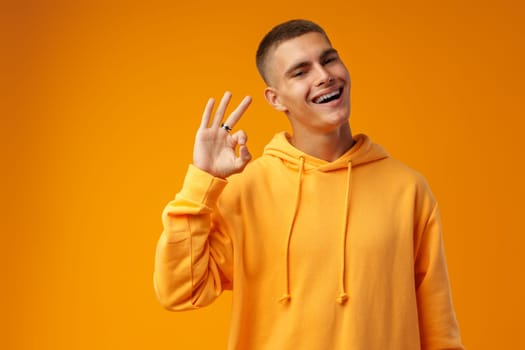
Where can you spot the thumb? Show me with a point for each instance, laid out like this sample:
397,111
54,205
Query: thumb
243,159
240,138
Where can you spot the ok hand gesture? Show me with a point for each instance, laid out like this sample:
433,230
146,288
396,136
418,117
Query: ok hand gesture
215,148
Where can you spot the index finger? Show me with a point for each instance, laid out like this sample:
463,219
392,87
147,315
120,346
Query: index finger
234,116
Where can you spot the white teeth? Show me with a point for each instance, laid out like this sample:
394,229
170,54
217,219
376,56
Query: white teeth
320,99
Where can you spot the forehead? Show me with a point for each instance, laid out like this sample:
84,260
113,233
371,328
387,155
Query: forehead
307,47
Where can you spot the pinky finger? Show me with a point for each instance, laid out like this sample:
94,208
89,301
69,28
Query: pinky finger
207,113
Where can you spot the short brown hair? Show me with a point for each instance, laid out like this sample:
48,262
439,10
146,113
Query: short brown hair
282,32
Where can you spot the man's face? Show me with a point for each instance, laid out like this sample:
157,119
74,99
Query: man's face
310,83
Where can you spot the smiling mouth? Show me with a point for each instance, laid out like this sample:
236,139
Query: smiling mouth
334,95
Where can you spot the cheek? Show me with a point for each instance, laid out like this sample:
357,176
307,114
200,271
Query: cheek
297,94
304,91
344,73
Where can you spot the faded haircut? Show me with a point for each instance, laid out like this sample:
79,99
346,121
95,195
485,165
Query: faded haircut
280,33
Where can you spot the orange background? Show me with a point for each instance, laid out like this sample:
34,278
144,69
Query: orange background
99,104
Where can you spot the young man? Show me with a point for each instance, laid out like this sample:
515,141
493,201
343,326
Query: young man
326,241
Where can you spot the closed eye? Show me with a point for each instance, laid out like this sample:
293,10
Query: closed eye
329,60
299,72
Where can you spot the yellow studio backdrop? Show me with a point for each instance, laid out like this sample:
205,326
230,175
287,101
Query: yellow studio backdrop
99,105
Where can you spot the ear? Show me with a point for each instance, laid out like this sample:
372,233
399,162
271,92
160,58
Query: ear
272,96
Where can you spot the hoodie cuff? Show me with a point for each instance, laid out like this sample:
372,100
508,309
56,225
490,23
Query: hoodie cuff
201,187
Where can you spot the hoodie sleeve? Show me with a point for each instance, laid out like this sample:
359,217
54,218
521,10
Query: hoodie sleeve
437,320
194,259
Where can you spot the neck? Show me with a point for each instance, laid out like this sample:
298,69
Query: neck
327,146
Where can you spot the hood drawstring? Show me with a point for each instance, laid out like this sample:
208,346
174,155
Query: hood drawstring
364,151
343,297
285,298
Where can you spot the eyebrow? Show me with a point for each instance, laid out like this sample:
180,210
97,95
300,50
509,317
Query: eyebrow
303,64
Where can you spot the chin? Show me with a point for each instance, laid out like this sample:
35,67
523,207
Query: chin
335,123
341,116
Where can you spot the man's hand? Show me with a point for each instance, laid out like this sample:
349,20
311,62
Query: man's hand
214,150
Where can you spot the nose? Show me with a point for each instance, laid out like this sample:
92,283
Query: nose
323,75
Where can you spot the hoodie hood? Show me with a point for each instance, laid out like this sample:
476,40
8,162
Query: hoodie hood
362,152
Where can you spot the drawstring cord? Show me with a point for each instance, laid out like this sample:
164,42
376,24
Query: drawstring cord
343,297
285,298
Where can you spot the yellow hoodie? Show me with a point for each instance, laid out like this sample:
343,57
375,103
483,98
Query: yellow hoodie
319,255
